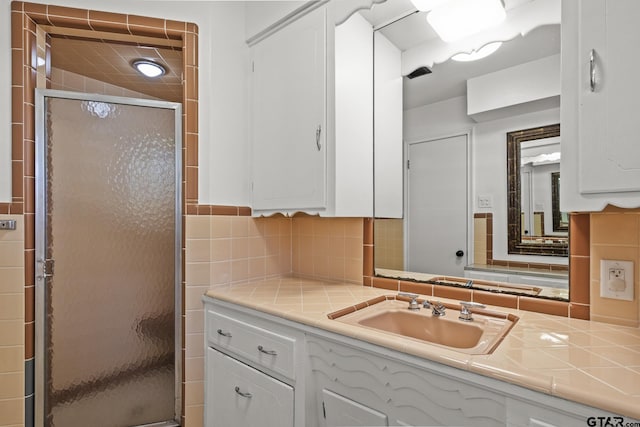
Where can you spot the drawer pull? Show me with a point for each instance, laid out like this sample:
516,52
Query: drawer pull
269,352
224,334
243,394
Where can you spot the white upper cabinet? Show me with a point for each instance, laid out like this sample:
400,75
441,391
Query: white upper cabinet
600,104
312,117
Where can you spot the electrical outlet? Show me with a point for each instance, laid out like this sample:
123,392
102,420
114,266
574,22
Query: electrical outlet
616,279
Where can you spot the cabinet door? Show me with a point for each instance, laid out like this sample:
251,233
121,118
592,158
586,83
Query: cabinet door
609,99
342,411
288,116
238,395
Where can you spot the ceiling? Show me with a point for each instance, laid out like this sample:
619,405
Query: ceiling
110,62
406,28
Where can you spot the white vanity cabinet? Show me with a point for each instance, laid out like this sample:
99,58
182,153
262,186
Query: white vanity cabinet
312,117
305,376
600,103
251,371
238,395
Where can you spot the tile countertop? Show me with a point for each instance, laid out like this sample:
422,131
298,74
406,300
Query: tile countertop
593,363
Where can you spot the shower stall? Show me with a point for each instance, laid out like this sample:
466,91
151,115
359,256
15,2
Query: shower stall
108,260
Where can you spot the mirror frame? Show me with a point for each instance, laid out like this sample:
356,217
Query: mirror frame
514,207
558,225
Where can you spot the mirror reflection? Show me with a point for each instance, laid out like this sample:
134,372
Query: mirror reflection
441,184
533,169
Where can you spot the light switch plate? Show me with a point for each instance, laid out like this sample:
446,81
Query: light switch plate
484,201
616,279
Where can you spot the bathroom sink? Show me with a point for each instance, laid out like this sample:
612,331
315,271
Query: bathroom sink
390,314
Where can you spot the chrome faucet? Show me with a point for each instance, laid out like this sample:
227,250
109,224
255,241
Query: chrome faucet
413,305
465,310
437,309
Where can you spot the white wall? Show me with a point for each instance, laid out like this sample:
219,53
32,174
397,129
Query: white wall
488,154
223,65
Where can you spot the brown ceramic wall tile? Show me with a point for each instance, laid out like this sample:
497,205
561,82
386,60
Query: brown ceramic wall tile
106,21
192,186
368,231
191,91
33,9
224,210
579,281
203,209
490,298
579,234
29,231
367,260
29,306
383,283
175,29
191,209
416,288
558,308
452,293
244,211
29,194
29,153
578,311
29,337
29,267
145,26
17,107
16,178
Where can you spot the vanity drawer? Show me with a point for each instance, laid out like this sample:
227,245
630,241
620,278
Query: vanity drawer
263,347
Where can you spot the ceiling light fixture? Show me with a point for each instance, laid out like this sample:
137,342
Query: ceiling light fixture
483,52
457,19
148,68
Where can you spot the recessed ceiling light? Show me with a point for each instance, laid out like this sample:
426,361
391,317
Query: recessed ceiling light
457,19
148,68
483,52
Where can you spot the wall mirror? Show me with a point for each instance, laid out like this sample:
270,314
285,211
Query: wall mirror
536,226
426,120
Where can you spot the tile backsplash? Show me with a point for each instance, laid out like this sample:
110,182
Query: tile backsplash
225,250
615,235
12,354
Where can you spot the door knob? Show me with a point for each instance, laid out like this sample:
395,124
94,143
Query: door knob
459,253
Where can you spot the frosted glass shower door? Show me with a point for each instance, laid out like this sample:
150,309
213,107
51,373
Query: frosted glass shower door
107,259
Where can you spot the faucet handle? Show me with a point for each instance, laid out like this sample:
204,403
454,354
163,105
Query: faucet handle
465,309
413,305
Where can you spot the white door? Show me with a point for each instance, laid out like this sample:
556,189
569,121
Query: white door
437,206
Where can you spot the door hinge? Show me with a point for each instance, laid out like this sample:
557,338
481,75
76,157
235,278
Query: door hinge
408,164
324,411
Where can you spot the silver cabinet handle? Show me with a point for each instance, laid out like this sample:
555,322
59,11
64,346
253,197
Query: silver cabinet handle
243,394
318,133
269,352
592,70
224,334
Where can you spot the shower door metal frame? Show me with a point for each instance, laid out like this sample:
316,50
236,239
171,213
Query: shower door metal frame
40,237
